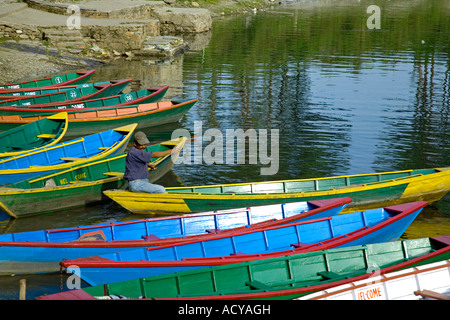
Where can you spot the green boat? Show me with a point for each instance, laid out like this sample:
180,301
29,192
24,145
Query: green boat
22,106
368,191
125,99
28,137
81,185
55,81
285,277
25,93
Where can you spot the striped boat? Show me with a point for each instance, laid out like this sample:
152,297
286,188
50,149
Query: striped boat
367,191
284,277
79,185
65,154
41,251
29,137
55,81
357,228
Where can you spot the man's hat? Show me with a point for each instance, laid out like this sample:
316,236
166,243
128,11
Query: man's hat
141,138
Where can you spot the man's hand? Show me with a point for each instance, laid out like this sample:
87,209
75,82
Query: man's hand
151,166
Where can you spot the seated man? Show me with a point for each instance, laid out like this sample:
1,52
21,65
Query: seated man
137,164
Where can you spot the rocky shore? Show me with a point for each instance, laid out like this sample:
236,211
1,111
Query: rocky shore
35,37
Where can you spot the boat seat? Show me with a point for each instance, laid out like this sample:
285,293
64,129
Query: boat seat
327,275
432,294
46,135
113,174
256,285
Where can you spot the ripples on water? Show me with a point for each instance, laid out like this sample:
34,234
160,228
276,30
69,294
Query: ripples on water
345,99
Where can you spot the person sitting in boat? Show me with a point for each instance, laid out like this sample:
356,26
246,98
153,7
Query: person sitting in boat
137,164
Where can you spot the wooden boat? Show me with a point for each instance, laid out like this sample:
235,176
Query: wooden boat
430,281
41,251
282,277
65,154
366,190
51,101
28,137
136,97
35,92
377,225
89,120
55,81
79,185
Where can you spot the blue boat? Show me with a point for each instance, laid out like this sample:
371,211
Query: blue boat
358,228
65,154
41,251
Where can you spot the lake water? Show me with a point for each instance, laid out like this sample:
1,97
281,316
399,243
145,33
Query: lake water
345,99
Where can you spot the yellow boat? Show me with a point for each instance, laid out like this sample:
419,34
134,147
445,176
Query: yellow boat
368,191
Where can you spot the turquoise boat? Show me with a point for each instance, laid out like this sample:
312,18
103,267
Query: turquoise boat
125,99
13,107
55,81
29,137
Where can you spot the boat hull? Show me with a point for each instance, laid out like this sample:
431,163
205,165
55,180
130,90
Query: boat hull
42,133
47,248
284,277
65,155
339,231
55,81
80,186
83,122
410,186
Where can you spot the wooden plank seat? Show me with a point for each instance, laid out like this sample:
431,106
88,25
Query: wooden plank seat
46,135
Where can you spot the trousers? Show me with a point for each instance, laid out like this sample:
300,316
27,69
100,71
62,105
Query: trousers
142,185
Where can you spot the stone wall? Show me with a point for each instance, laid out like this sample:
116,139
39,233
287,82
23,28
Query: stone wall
121,38
18,32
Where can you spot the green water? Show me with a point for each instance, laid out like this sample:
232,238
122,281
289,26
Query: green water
346,99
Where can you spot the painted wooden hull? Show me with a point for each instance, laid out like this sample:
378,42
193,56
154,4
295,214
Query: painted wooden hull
65,154
400,285
85,121
36,92
367,191
41,133
283,277
55,81
136,97
373,226
48,103
40,251
79,185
